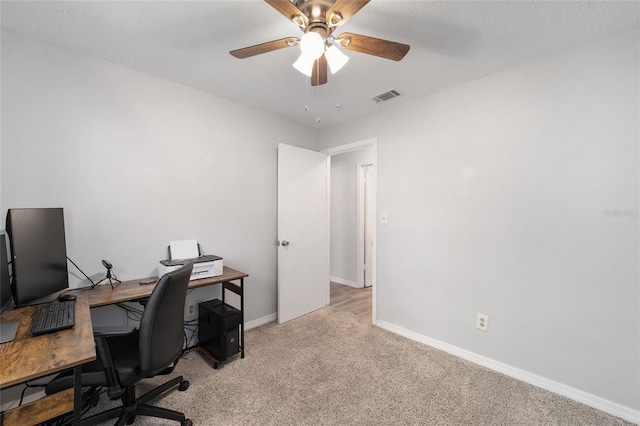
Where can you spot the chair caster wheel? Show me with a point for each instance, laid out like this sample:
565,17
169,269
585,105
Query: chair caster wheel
186,422
184,385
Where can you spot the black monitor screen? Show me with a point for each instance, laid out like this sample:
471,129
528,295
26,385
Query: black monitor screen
39,254
5,287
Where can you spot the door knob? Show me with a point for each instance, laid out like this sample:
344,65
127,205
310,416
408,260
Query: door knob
285,243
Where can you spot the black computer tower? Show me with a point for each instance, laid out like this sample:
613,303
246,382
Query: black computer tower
218,328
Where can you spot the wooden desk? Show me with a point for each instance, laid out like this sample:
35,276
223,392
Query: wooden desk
27,357
131,290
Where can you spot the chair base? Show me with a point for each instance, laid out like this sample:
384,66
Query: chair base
132,407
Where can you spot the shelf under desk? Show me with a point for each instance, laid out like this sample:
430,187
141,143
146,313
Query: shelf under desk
28,357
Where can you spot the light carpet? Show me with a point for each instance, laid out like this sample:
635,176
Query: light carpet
329,368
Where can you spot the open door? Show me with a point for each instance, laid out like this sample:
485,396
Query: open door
303,221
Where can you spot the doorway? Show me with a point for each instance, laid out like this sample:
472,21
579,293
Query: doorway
352,214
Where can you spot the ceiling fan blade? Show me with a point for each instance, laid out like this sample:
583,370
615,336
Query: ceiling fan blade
288,10
269,46
319,72
373,46
346,8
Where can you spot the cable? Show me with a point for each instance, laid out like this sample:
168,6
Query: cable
191,326
132,313
27,385
77,267
190,342
190,332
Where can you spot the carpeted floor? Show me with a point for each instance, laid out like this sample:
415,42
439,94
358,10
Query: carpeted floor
330,368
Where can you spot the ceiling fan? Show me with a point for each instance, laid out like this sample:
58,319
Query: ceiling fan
318,19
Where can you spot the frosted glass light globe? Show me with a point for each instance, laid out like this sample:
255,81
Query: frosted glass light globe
312,45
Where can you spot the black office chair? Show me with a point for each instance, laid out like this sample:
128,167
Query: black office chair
127,355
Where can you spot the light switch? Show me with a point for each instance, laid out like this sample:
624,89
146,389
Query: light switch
383,218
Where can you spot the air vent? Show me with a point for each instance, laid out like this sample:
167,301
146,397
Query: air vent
386,96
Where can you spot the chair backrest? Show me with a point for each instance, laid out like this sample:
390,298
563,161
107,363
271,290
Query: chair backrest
162,323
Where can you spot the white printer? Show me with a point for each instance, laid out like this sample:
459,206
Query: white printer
204,266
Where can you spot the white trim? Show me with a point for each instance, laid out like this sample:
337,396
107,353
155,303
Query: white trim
260,321
345,282
341,149
374,250
361,210
328,265
591,400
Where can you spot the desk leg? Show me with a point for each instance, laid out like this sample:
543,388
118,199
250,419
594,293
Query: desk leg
242,317
77,394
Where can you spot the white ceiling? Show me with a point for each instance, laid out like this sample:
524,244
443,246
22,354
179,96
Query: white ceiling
188,42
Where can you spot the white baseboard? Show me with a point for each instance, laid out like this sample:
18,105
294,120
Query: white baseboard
344,282
260,321
594,401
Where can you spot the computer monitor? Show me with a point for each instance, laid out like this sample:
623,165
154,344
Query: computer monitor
5,284
7,329
39,254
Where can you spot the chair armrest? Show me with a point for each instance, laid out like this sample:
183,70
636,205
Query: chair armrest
101,336
113,330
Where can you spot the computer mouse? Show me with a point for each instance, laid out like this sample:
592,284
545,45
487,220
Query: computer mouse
67,297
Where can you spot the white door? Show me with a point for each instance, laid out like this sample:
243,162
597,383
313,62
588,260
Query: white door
303,267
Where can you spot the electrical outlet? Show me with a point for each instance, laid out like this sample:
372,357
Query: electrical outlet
191,309
482,322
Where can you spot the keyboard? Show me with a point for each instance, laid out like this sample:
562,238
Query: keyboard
54,317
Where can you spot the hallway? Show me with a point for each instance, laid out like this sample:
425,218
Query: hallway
354,300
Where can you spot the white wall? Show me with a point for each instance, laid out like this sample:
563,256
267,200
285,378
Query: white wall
497,194
344,214
137,161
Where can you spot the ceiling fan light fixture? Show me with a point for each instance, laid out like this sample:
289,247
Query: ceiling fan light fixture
335,58
312,45
304,64
318,19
